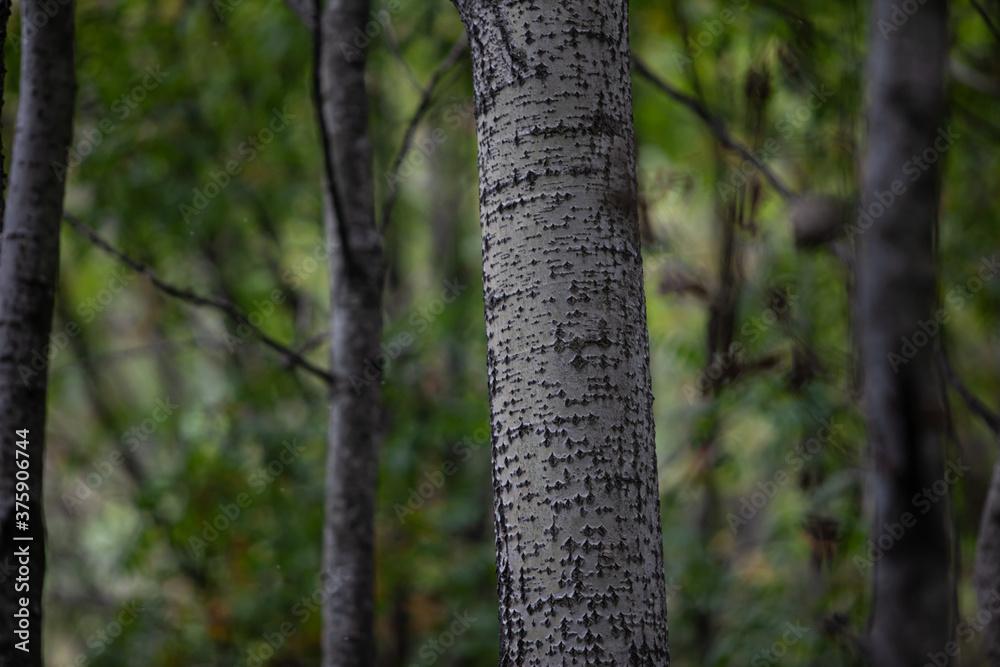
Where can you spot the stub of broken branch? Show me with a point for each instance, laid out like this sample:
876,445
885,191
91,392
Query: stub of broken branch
818,219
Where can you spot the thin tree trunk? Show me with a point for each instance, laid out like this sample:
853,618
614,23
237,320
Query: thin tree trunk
4,19
896,291
356,332
29,265
987,569
579,549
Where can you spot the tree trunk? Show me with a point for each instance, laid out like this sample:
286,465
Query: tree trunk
4,19
987,571
579,549
356,334
911,598
29,265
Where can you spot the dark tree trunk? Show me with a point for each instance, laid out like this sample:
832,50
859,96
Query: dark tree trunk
356,333
896,291
577,514
987,571
4,19
29,265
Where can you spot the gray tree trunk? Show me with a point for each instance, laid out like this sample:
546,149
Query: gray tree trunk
579,549
4,19
356,334
987,570
896,291
29,264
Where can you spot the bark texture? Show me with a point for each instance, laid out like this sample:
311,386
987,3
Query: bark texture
987,570
29,264
906,422
356,333
4,19
579,549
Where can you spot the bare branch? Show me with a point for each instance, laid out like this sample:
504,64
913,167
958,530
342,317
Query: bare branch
972,401
457,49
715,125
397,53
986,17
311,343
223,305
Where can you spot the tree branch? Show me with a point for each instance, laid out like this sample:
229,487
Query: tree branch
223,305
972,401
715,125
397,53
986,17
310,344
457,49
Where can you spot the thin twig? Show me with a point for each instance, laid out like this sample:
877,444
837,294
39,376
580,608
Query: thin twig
986,17
715,125
971,400
311,343
397,53
223,305
457,49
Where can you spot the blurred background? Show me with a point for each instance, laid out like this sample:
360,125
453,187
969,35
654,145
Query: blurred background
184,472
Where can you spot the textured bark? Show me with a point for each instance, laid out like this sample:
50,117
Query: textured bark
987,572
896,291
356,331
29,264
579,549
4,19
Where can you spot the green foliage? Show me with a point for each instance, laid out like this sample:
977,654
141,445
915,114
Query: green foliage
242,455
